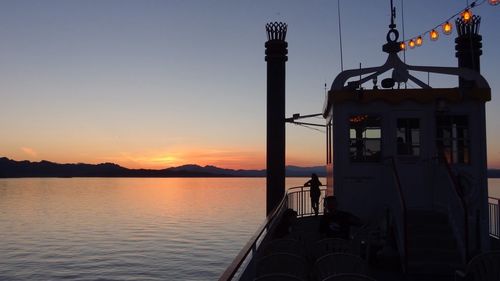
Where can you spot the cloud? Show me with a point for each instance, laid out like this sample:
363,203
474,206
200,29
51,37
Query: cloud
29,151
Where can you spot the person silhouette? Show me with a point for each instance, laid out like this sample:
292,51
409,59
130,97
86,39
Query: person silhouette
314,192
285,226
335,223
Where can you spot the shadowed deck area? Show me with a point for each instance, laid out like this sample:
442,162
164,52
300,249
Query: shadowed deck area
369,243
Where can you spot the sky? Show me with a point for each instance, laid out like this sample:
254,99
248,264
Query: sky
155,84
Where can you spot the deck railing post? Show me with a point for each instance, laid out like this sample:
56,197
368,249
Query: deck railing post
478,230
302,200
497,221
253,244
494,217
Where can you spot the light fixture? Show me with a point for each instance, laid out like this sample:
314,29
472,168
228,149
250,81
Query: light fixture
447,28
467,15
411,43
434,35
402,45
418,41
494,2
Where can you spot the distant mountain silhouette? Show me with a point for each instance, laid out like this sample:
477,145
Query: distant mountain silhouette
19,169
493,173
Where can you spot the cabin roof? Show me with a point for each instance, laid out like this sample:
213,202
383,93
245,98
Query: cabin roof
395,96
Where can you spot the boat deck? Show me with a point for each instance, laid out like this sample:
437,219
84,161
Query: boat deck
382,263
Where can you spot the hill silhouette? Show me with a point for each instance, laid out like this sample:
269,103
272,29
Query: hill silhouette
18,169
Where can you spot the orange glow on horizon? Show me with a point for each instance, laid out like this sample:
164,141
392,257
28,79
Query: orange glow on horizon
161,159
231,159
222,159
493,163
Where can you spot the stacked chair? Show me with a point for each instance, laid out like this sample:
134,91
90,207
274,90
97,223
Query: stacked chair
285,245
329,259
338,263
348,277
283,263
329,246
278,277
483,267
282,259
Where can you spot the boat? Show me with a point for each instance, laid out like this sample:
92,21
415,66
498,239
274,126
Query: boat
409,163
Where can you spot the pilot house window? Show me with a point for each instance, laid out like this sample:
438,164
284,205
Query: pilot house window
408,137
453,138
364,140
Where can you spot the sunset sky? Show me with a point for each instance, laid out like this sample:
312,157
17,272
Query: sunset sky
154,84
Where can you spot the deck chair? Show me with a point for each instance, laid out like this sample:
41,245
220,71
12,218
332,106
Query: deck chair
285,245
278,277
306,237
329,246
338,263
348,277
282,263
483,267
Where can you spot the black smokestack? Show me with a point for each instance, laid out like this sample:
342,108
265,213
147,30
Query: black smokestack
468,47
276,56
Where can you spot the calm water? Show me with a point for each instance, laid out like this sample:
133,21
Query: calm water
494,188
126,229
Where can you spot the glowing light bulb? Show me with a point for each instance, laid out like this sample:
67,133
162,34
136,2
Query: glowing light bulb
467,15
494,2
402,45
419,41
411,43
434,35
447,28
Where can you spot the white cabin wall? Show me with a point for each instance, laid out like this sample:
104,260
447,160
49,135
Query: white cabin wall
476,194
362,188
358,186
414,171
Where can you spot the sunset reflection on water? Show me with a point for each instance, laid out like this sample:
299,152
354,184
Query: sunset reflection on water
129,228
126,228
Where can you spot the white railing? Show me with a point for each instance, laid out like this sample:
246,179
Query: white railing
494,218
299,200
296,198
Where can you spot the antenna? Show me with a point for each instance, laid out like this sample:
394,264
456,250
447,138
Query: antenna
403,24
403,28
393,16
360,76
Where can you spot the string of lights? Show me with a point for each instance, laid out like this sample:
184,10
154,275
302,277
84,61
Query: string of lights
446,26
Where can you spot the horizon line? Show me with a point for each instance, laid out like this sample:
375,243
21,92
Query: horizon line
189,164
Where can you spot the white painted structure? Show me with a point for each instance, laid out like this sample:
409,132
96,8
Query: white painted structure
369,128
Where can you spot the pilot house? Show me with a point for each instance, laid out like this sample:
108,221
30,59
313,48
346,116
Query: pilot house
413,154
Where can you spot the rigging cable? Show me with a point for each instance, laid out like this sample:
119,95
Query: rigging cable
403,28
340,37
474,4
403,25
311,128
